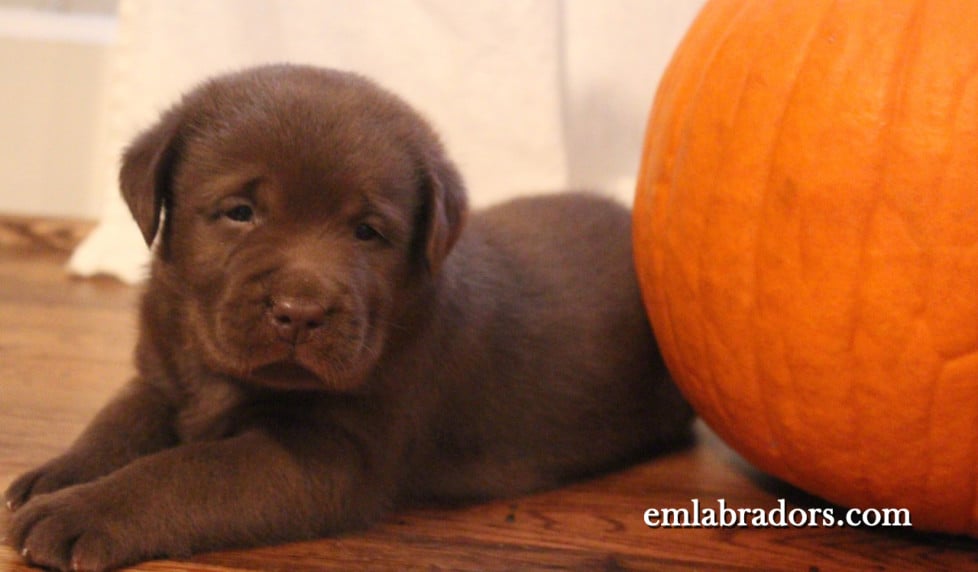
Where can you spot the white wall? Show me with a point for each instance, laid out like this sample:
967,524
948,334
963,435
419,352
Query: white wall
51,82
57,86
615,52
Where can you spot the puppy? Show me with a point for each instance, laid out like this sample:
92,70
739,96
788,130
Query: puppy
321,341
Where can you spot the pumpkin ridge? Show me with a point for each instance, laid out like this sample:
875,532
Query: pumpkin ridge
908,42
974,462
804,57
729,37
676,144
974,488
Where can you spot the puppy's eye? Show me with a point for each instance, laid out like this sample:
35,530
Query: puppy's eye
240,213
366,232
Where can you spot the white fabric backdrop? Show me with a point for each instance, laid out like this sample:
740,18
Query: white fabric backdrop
528,95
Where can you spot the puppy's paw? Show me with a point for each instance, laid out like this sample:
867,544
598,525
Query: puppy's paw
56,474
72,529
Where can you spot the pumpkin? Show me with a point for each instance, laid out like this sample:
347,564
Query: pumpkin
806,238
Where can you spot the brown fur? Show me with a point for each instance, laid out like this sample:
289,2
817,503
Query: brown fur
300,375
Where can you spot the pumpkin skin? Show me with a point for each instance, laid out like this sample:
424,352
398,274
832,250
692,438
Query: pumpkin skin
806,238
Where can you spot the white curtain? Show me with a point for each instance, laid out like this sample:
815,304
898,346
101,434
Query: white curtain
528,95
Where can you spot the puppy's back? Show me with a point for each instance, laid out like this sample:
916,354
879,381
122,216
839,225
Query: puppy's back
555,313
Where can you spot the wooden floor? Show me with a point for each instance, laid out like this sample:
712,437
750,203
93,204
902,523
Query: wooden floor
65,345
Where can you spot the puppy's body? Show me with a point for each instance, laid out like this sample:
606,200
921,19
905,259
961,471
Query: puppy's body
552,376
320,340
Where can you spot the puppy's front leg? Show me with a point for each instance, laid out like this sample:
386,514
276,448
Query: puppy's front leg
255,488
137,422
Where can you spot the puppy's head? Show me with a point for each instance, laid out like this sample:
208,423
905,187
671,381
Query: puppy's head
295,210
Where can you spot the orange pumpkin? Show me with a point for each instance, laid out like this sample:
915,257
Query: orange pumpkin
806,234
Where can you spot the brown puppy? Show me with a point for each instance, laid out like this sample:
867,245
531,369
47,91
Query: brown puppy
320,340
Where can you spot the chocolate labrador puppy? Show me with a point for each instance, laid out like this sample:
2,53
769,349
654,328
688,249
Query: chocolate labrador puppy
321,341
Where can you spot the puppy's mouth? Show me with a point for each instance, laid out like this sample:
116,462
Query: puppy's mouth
287,374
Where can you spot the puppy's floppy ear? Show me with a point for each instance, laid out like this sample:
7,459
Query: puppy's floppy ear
147,166
444,209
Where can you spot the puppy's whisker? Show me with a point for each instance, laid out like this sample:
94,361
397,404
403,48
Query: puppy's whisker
393,325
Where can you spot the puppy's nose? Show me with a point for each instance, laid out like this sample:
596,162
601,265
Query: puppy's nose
294,319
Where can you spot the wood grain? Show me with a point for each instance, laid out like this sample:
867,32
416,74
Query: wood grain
65,347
